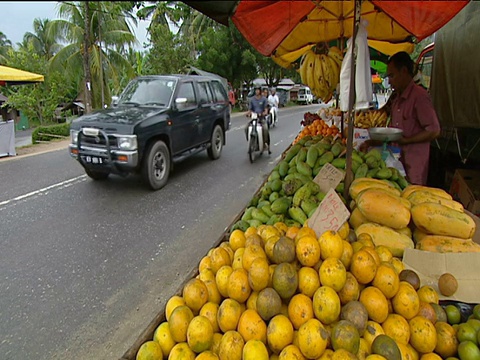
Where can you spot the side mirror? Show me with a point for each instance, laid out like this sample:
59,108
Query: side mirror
180,103
114,101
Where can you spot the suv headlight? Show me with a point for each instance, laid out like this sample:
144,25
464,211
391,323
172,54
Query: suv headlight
74,136
127,142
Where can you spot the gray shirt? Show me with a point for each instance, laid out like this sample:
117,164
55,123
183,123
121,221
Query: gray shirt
258,105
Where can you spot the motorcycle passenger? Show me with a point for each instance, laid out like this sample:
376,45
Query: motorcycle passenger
273,101
258,104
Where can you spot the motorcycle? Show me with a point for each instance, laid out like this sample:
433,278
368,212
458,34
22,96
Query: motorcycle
272,117
256,144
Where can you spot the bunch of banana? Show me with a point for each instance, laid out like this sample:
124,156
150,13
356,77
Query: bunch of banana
371,118
321,72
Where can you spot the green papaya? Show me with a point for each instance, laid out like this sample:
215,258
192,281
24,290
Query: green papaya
339,163
247,215
258,214
297,214
282,168
308,205
312,155
301,194
303,168
361,171
273,196
292,152
310,214
266,191
336,149
289,177
291,186
276,185
383,174
302,155
309,143
267,210
326,158
280,206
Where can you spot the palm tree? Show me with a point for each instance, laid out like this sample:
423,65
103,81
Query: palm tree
44,41
161,13
107,32
194,26
5,45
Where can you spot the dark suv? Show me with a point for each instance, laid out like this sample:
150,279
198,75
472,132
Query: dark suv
158,120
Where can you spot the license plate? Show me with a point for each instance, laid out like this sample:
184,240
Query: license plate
93,159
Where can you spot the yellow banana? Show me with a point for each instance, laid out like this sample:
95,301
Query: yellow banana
327,72
335,73
318,73
303,68
336,54
310,69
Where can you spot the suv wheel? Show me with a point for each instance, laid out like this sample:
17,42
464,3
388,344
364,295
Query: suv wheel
156,165
97,175
216,143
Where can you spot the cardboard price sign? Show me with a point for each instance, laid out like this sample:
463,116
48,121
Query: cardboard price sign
331,214
329,177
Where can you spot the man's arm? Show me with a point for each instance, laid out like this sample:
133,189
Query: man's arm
424,136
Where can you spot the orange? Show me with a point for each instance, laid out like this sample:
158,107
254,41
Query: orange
397,328
426,310
206,274
430,356
300,310
228,315
195,293
254,240
308,250
259,275
333,273
387,281
269,245
237,262
347,254
281,227
268,232
207,355
252,327
255,350
292,232
384,253
423,335
250,231
250,254
205,263
447,342
363,267
200,334
231,346
210,311
291,352
221,279
350,291
406,301
375,302
213,293
428,294
172,303
308,281
366,240
178,323
219,257
372,331
252,301
312,339
238,287
331,245
163,336
279,333
374,254
326,305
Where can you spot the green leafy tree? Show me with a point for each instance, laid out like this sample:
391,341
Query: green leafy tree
37,101
5,45
44,42
108,35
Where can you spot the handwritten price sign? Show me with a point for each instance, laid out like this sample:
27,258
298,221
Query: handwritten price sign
331,214
329,177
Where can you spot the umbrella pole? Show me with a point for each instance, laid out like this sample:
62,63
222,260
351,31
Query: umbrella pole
351,102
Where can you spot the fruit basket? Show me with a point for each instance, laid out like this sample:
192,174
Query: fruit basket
385,134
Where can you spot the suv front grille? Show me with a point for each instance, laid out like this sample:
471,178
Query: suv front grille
98,141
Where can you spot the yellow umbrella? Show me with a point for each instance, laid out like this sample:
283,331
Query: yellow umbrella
12,76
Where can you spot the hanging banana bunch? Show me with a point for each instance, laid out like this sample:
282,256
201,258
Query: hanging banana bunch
320,72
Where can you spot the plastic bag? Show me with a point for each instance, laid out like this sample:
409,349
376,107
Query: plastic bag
363,78
391,161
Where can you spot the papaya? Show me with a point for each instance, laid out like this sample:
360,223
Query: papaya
314,187
326,158
303,168
383,235
444,244
439,219
357,218
312,155
273,196
303,178
247,215
439,192
280,206
421,196
380,207
292,152
275,219
361,184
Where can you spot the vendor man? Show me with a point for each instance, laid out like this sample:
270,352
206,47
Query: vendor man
411,110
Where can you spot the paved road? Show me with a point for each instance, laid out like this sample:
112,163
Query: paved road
85,266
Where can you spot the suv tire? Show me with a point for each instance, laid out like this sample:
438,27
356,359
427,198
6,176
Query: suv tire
156,165
216,143
97,175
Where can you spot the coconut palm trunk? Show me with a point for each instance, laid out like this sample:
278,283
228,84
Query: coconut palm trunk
86,61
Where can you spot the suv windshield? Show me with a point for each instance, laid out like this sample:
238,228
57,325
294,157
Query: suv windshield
301,92
155,92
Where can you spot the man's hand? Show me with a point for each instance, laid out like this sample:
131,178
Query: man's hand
248,114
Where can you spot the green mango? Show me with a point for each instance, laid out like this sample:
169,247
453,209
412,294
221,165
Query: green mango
297,214
276,185
280,206
336,149
303,168
308,205
274,175
283,168
361,171
292,152
301,194
259,214
383,174
312,155
302,155
339,163
273,196
247,215
326,158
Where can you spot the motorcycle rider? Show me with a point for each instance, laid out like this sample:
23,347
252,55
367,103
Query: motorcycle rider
258,104
273,101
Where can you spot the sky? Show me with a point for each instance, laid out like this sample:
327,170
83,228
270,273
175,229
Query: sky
17,18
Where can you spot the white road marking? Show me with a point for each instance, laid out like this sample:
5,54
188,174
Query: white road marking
43,190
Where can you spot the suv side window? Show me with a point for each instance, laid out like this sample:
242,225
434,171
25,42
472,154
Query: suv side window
186,91
204,95
219,91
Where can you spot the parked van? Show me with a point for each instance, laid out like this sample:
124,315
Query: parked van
305,96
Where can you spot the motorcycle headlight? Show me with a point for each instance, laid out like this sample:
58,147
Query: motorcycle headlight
127,142
74,136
